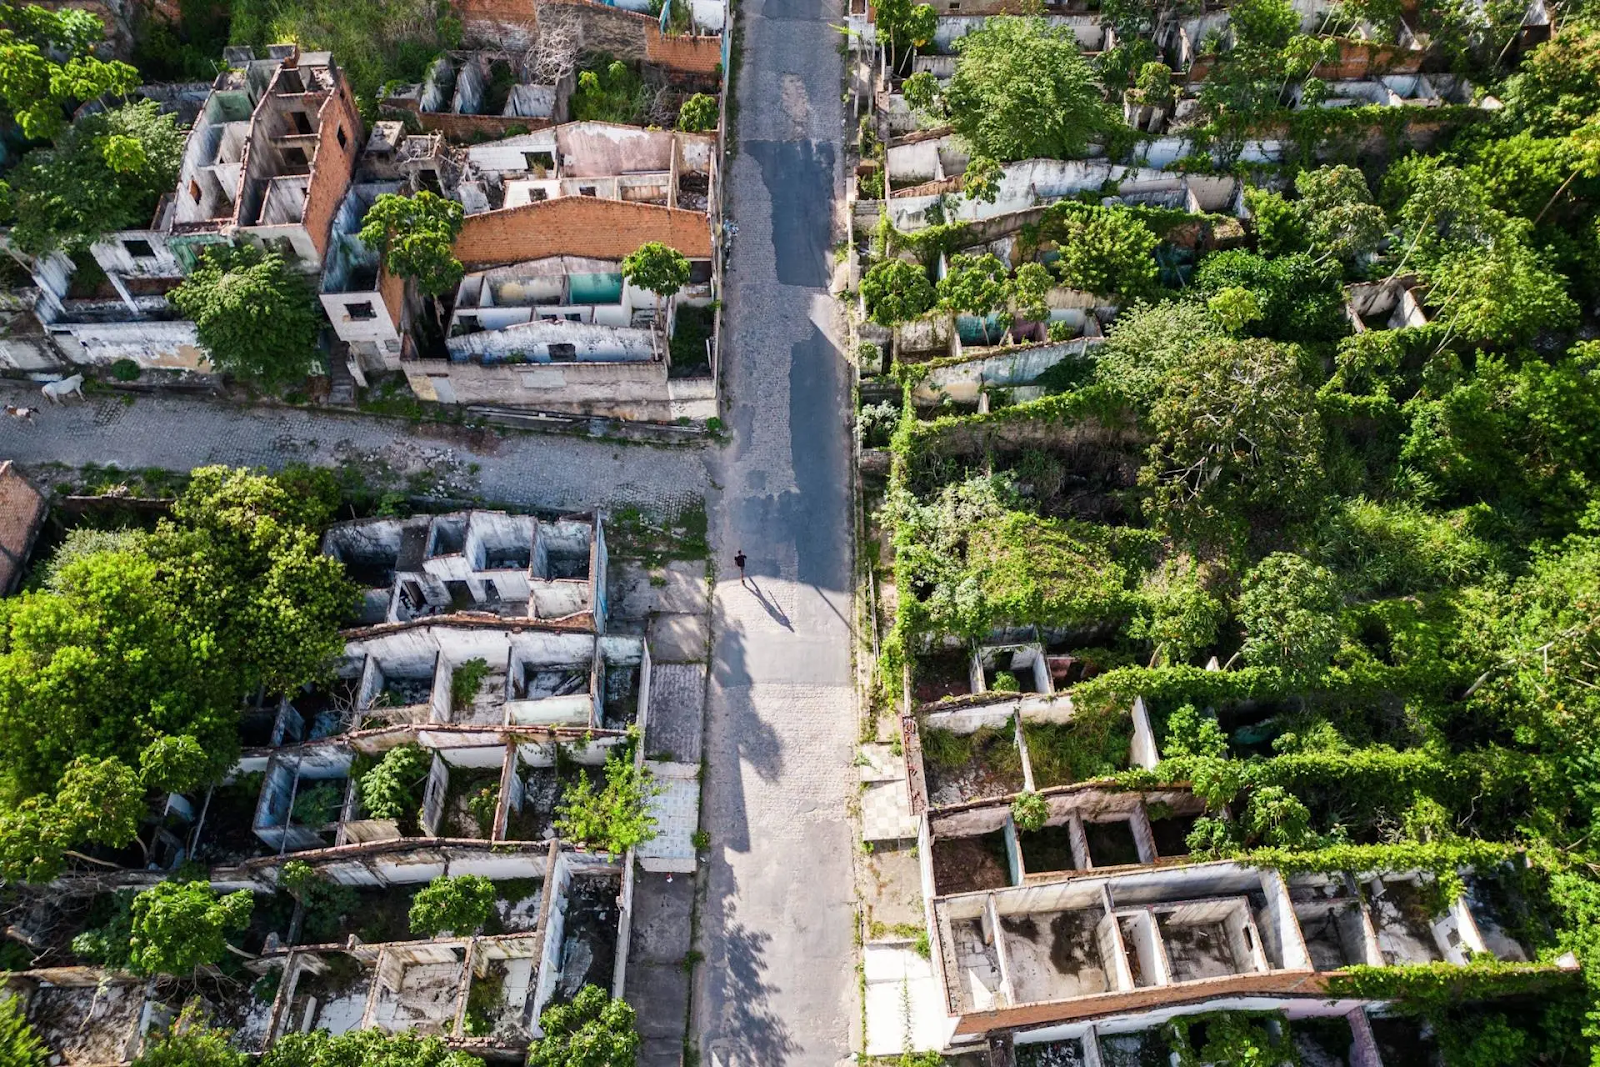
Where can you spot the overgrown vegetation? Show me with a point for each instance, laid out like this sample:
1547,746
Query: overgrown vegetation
458,905
615,817
123,672
593,1030
1385,532
392,788
256,316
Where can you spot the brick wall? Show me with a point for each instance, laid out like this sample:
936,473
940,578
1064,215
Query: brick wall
691,55
630,35
335,163
392,288
578,226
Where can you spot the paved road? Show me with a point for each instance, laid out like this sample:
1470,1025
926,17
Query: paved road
778,985
179,433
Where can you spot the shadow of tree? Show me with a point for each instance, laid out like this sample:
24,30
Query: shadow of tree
752,1034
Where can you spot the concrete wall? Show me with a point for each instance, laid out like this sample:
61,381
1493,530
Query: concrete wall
152,345
620,390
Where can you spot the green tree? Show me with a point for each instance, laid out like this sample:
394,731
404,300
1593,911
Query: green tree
365,1048
175,763
1501,294
1146,342
923,94
657,267
189,1042
1152,87
1106,251
92,181
242,558
1029,288
618,816
48,66
416,237
1444,209
389,790
257,319
698,113
102,666
1178,616
178,926
1341,220
904,27
1235,433
980,182
1300,298
100,801
1280,222
19,1045
975,285
1557,87
459,906
1022,90
140,652
592,1031
1290,610
896,291
1235,308
1265,59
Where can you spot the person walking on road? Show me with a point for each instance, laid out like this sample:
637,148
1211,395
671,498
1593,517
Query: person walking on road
738,561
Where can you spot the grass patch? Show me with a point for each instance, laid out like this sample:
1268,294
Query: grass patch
655,540
1085,748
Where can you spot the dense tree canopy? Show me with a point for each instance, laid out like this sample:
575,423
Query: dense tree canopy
896,291
126,671
1022,90
257,318
104,173
178,926
48,65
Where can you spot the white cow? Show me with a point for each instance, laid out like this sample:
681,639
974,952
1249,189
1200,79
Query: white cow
55,391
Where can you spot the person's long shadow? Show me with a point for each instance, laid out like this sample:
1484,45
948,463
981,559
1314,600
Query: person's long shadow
772,608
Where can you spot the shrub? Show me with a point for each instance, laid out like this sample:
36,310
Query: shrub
1029,811
388,791
618,816
482,805
464,682
459,906
125,370
698,114
178,926
317,806
190,1043
1005,682
19,1045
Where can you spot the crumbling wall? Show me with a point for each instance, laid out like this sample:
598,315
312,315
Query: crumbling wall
152,345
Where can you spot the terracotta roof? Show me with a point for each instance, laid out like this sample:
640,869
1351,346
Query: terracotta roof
22,510
578,226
